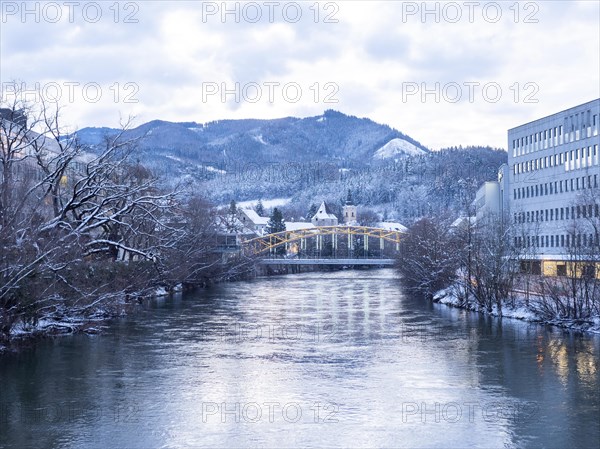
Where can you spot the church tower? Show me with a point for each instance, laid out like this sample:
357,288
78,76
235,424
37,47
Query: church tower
349,211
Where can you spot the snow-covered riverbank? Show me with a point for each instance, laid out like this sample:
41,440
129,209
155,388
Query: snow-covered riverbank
65,323
520,311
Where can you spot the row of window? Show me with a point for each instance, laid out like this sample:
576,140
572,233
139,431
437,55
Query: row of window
575,127
558,241
572,160
558,213
556,187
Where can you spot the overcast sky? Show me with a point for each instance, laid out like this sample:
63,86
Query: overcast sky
445,73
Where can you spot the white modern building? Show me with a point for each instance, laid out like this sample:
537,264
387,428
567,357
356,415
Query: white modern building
491,200
552,187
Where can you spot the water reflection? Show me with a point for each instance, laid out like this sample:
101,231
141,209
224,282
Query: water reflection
331,359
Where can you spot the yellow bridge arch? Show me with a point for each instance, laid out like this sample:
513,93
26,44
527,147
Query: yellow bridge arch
268,242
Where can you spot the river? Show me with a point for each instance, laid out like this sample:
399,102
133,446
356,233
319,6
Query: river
340,359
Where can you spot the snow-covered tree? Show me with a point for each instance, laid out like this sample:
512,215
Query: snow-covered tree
259,208
427,260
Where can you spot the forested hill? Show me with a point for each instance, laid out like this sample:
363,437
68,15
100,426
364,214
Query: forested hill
308,160
332,136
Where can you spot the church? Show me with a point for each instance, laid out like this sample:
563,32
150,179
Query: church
324,216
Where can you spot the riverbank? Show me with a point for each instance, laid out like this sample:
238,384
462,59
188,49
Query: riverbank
24,335
520,309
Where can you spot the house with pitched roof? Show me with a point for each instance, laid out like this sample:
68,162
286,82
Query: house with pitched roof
324,216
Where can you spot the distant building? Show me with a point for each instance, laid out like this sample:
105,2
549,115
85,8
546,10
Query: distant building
251,221
350,212
324,217
491,201
17,117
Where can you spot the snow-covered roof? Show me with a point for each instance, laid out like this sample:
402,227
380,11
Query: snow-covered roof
296,225
324,213
392,226
255,218
462,220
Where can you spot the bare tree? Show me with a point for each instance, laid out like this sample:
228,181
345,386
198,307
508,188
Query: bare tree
367,217
427,261
493,258
575,293
64,210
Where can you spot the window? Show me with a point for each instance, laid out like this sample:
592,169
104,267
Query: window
531,267
561,270
588,271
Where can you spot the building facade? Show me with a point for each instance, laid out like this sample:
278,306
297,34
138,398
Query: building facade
552,190
350,211
324,217
251,221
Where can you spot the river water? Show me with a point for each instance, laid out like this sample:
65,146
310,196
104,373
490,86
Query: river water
340,359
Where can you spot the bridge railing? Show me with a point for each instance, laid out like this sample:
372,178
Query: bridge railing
328,241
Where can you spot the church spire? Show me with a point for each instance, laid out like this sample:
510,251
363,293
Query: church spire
349,201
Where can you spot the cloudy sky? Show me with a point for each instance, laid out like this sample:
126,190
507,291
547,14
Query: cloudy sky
445,73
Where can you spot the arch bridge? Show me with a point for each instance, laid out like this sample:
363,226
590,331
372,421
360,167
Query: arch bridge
335,245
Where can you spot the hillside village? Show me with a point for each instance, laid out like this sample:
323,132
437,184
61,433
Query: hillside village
249,222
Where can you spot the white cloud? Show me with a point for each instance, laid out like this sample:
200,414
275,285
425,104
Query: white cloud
373,54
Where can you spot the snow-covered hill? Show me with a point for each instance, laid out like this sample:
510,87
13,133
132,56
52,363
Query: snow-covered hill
397,147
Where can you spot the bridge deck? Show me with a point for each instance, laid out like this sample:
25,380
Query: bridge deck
387,262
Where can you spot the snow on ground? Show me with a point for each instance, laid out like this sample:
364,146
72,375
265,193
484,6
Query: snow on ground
395,147
259,139
212,169
209,168
450,297
392,226
267,204
297,225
